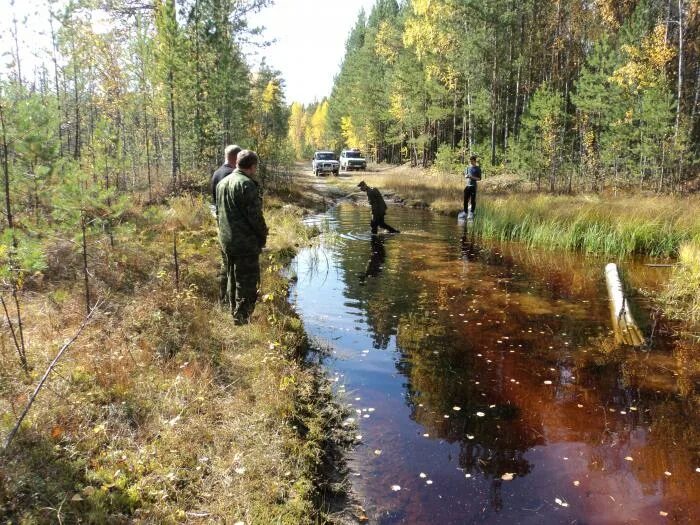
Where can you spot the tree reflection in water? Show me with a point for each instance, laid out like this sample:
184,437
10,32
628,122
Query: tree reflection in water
522,337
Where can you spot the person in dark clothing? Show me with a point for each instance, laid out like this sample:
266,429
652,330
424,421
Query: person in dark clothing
473,175
376,201
230,156
242,234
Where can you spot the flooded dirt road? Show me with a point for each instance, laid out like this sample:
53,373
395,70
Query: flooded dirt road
486,384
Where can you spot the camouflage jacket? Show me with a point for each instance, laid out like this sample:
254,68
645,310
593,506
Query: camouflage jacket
242,228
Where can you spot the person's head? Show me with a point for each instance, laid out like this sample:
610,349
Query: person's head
247,162
473,159
363,186
231,154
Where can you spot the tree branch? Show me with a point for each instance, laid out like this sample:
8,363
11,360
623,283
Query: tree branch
44,378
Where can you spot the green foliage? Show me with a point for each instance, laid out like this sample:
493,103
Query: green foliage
447,160
21,255
541,135
573,94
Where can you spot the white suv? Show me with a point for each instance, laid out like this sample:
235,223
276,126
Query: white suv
324,162
352,159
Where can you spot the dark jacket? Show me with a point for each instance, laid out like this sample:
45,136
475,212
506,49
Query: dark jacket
376,201
218,176
242,228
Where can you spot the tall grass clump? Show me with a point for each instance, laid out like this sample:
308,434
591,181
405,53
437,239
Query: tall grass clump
681,297
615,227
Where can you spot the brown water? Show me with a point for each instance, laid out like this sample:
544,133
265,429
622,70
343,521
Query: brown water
487,384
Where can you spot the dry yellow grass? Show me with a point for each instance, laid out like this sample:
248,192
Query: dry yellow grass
163,411
682,294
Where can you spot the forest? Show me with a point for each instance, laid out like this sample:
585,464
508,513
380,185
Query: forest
127,105
574,95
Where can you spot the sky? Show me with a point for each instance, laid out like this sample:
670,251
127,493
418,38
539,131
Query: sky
307,40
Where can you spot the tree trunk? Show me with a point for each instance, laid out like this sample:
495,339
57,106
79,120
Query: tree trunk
17,57
171,88
6,168
494,104
86,275
177,262
76,101
469,117
454,114
56,83
515,105
680,67
148,156
18,347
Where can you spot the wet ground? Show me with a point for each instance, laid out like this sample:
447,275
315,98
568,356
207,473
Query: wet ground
487,385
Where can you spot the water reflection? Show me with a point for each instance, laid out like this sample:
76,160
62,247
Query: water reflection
375,265
491,371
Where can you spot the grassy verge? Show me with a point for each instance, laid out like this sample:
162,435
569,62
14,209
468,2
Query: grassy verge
618,227
163,411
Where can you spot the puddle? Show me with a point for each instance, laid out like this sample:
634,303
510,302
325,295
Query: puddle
486,383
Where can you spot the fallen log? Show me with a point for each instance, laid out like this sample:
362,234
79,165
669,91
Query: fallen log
626,330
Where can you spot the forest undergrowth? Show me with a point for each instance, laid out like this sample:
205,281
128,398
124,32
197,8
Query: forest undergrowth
163,411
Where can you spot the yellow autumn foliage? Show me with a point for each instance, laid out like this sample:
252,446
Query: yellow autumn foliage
646,62
432,39
350,132
317,130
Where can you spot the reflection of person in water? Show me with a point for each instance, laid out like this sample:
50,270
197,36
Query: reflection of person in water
375,265
468,246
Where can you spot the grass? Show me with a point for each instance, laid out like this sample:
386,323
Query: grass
682,295
163,412
615,226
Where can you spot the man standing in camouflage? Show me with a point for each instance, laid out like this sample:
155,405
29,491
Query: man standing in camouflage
242,234
376,201
230,156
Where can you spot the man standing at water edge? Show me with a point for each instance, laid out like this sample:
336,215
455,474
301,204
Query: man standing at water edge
473,175
376,201
230,156
242,234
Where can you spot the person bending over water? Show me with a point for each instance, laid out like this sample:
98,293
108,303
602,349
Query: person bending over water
379,207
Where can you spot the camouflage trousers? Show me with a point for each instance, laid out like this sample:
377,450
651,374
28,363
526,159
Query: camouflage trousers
223,281
243,280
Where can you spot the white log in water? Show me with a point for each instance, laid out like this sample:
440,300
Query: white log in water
626,329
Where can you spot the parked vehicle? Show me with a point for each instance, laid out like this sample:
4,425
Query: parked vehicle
324,162
352,159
